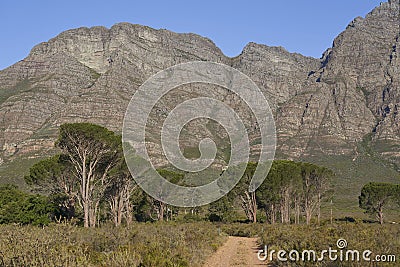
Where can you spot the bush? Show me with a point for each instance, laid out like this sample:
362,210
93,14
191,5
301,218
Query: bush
192,218
243,229
22,208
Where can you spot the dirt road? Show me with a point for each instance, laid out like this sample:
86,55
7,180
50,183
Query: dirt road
237,251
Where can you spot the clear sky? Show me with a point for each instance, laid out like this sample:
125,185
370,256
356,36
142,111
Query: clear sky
304,26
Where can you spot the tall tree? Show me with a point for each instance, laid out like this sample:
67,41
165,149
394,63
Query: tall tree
93,151
316,182
375,197
290,180
158,206
149,208
248,199
119,194
281,190
322,187
222,209
397,195
268,195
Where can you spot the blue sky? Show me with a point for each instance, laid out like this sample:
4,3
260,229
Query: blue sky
304,26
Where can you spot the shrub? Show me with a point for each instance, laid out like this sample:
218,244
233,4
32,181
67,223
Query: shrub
149,244
22,208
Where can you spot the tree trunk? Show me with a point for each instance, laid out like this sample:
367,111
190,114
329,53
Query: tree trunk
308,217
249,205
287,202
86,214
285,206
319,208
308,212
128,213
380,214
254,206
120,210
71,208
92,217
272,215
161,211
297,211
93,211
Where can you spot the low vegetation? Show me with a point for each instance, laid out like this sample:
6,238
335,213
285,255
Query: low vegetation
89,185
359,236
151,245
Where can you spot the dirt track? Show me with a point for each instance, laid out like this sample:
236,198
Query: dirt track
237,251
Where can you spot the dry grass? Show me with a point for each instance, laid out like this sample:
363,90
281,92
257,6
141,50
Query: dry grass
154,244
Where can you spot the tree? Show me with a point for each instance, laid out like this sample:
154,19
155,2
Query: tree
119,193
397,194
293,186
22,208
221,209
92,151
289,181
280,190
149,208
159,206
247,199
322,187
54,176
315,185
375,197
268,197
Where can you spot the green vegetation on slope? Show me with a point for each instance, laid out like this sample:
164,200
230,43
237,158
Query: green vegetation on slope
352,175
13,172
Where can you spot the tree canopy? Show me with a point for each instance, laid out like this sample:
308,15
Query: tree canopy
22,208
375,197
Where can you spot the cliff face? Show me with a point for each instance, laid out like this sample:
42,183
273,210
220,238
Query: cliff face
353,94
321,106
86,75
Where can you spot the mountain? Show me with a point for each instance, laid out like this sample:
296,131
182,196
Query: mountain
341,110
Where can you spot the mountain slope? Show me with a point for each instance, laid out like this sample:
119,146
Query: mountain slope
343,105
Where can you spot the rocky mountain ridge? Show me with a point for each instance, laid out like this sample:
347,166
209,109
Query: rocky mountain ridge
326,106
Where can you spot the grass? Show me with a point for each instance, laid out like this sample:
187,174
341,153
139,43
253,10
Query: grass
156,244
13,172
181,244
352,175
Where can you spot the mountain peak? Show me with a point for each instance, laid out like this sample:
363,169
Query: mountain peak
90,74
